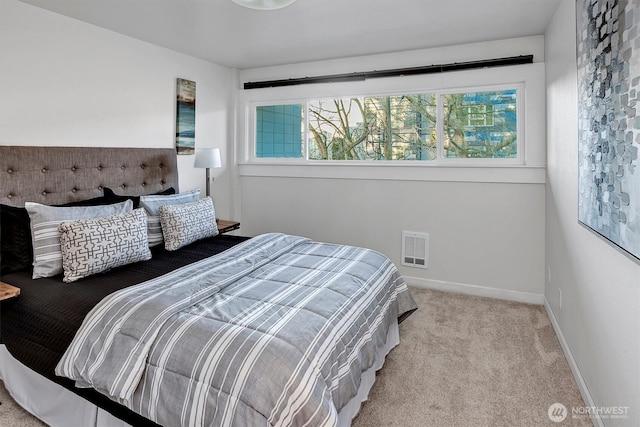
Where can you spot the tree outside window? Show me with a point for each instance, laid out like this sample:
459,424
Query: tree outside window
397,128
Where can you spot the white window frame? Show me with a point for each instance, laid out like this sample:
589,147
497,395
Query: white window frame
520,119
441,159
529,167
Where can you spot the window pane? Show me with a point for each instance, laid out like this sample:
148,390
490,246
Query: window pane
480,125
380,128
279,131
337,129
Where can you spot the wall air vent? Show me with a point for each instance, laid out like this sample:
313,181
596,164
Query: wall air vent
415,249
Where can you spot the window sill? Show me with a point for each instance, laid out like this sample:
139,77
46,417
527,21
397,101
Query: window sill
518,174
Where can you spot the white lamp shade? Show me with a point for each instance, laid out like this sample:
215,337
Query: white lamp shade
208,158
264,4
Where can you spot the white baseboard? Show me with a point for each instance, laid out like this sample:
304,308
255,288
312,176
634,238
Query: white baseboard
577,375
480,291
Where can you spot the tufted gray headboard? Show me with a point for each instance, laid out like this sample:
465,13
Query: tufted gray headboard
56,175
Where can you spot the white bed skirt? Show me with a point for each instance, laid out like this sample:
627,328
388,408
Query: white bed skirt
50,402
59,407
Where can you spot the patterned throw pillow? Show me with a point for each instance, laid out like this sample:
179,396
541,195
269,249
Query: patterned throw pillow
184,224
45,236
92,246
152,205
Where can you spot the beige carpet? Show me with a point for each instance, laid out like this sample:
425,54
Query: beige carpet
463,361
470,361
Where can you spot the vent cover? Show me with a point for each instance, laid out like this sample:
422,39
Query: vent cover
415,249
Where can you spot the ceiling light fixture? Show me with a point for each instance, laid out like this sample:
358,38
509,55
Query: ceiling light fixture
264,4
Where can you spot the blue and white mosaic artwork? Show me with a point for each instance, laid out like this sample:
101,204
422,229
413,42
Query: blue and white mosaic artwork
608,53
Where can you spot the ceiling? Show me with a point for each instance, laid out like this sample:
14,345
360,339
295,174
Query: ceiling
227,34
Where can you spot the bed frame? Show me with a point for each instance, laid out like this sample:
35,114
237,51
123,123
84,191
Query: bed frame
57,175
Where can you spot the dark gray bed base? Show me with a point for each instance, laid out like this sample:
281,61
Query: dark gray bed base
57,175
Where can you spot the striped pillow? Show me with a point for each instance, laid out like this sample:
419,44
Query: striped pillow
152,203
45,236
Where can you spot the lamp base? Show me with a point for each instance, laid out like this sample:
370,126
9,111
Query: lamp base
208,182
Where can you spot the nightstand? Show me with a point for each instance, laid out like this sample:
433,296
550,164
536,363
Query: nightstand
7,291
225,226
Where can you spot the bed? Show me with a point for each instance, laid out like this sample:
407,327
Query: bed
272,309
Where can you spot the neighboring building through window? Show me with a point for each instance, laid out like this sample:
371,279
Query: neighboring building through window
278,131
480,124
413,127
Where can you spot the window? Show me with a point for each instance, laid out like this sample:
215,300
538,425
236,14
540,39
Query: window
480,124
411,127
278,131
381,128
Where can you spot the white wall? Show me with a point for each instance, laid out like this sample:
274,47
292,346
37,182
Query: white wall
481,234
599,320
67,83
486,225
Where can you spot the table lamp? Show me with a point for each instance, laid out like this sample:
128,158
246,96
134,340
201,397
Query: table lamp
208,158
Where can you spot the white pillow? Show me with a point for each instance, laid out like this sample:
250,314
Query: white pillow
184,224
92,246
47,258
152,203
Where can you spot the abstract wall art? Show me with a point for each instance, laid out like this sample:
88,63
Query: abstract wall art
608,57
185,116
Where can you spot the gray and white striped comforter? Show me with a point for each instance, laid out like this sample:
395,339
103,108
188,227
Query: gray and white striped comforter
275,331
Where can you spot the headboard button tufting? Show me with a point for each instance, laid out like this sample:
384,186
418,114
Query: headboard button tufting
59,175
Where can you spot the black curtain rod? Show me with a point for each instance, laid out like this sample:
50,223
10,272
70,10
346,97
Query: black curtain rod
359,76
